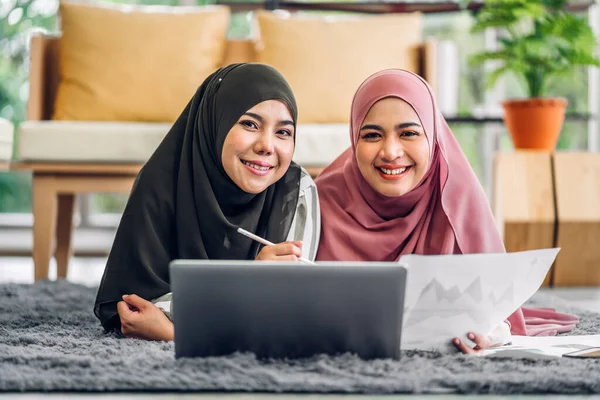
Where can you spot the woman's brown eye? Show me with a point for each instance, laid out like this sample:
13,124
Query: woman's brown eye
248,124
371,135
410,133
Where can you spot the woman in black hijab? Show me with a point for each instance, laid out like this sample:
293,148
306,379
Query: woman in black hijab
225,163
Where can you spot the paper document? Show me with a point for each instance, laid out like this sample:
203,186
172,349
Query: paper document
450,295
544,346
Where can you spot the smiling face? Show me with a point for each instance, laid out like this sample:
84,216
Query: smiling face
392,149
258,149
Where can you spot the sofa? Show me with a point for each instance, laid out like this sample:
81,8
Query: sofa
73,145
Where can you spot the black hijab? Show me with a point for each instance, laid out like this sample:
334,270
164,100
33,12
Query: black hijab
184,205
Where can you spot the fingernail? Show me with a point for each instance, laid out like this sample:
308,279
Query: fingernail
456,341
471,336
125,295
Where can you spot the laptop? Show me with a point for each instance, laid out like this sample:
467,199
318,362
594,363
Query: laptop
287,310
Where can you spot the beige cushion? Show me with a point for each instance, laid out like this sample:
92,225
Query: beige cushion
123,142
325,59
6,140
135,63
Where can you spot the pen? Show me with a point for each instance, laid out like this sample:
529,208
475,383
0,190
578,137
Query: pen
267,243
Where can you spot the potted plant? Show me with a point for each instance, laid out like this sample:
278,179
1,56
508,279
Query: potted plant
539,41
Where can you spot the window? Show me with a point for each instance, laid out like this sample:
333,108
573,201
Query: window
19,17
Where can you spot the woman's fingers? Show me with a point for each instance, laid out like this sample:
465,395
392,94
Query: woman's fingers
287,248
462,346
136,301
286,251
123,310
151,324
125,315
481,341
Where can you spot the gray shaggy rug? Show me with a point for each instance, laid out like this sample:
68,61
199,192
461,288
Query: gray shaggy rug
51,341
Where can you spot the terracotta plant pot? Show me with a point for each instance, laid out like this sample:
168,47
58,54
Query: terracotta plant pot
535,123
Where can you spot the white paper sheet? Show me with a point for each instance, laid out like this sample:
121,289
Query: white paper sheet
544,346
450,295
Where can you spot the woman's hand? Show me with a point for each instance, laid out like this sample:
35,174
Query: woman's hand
286,251
482,342
143,320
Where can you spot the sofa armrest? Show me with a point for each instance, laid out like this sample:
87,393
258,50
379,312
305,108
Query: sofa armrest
43,77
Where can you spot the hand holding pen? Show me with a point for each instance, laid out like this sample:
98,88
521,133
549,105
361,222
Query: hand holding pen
286,251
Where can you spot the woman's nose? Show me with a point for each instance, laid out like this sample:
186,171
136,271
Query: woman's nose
264,144
391,150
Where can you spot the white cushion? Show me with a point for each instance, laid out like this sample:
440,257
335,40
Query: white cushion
317,145
134,142
69,141
6,140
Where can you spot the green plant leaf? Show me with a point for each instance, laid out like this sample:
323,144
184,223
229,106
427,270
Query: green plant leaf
495,75
540,41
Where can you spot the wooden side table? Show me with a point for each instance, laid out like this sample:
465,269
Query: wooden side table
577,182
523,201
544,200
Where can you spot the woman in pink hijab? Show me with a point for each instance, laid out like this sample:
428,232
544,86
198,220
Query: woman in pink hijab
405,187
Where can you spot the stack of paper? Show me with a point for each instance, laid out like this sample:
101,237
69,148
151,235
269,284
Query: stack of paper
544,346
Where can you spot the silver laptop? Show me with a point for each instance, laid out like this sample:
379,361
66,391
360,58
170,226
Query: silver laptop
287,310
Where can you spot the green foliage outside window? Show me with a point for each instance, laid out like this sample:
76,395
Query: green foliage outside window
18,19
539,41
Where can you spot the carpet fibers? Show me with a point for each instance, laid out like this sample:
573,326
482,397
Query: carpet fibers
51,341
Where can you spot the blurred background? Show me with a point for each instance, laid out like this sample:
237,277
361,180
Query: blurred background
473,111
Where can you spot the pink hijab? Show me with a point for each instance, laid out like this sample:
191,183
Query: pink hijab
446,213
